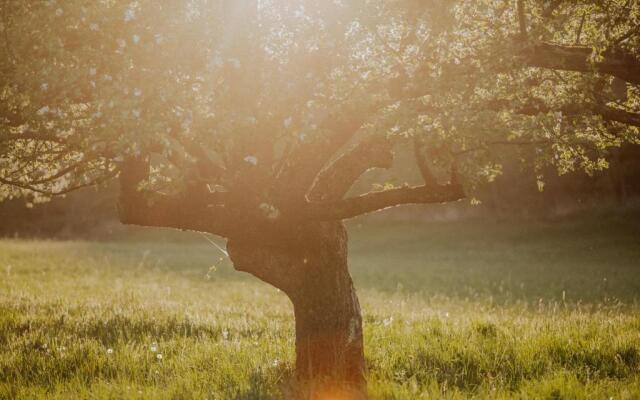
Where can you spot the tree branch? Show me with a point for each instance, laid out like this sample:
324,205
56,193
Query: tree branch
430,192
375,201
305,162
578,58
421,159
146,208
336,180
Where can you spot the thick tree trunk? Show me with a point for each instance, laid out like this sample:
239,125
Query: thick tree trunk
314,274
329,346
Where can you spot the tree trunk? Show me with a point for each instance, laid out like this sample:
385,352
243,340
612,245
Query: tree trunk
313,273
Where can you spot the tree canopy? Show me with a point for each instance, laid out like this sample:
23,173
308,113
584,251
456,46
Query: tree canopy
263,107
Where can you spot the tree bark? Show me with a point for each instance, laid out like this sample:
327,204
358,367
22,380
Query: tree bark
312,270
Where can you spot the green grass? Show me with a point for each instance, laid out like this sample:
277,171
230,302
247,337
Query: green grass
452,310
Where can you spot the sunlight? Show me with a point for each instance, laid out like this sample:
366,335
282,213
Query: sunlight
196,197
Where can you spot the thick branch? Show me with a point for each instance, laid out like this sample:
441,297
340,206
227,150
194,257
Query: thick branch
578,58
618,115
305,163
145,208
419,148
375,201
336,180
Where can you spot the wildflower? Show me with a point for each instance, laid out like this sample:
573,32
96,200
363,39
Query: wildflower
154,347
386,322
109,351
44,87
159,356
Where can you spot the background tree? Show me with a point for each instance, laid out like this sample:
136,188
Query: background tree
251,120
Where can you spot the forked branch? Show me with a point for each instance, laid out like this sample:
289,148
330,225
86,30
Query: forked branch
334,182
305,163
430,192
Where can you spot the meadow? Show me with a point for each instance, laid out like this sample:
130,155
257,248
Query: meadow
453,310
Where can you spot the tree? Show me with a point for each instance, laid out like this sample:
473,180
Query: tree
251,120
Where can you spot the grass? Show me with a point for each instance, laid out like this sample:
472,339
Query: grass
452,310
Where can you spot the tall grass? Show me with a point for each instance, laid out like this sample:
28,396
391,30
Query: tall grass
452,310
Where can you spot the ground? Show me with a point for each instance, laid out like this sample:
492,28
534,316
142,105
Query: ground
452,310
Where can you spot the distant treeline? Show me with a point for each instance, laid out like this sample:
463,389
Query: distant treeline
514,194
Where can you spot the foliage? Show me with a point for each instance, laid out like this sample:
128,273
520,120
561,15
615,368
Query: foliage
243,84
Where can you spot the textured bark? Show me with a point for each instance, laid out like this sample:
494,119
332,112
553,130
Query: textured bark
313,273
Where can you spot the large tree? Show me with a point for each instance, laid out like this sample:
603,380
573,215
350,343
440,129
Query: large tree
252,120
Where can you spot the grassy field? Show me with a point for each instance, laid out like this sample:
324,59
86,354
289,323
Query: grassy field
452,310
